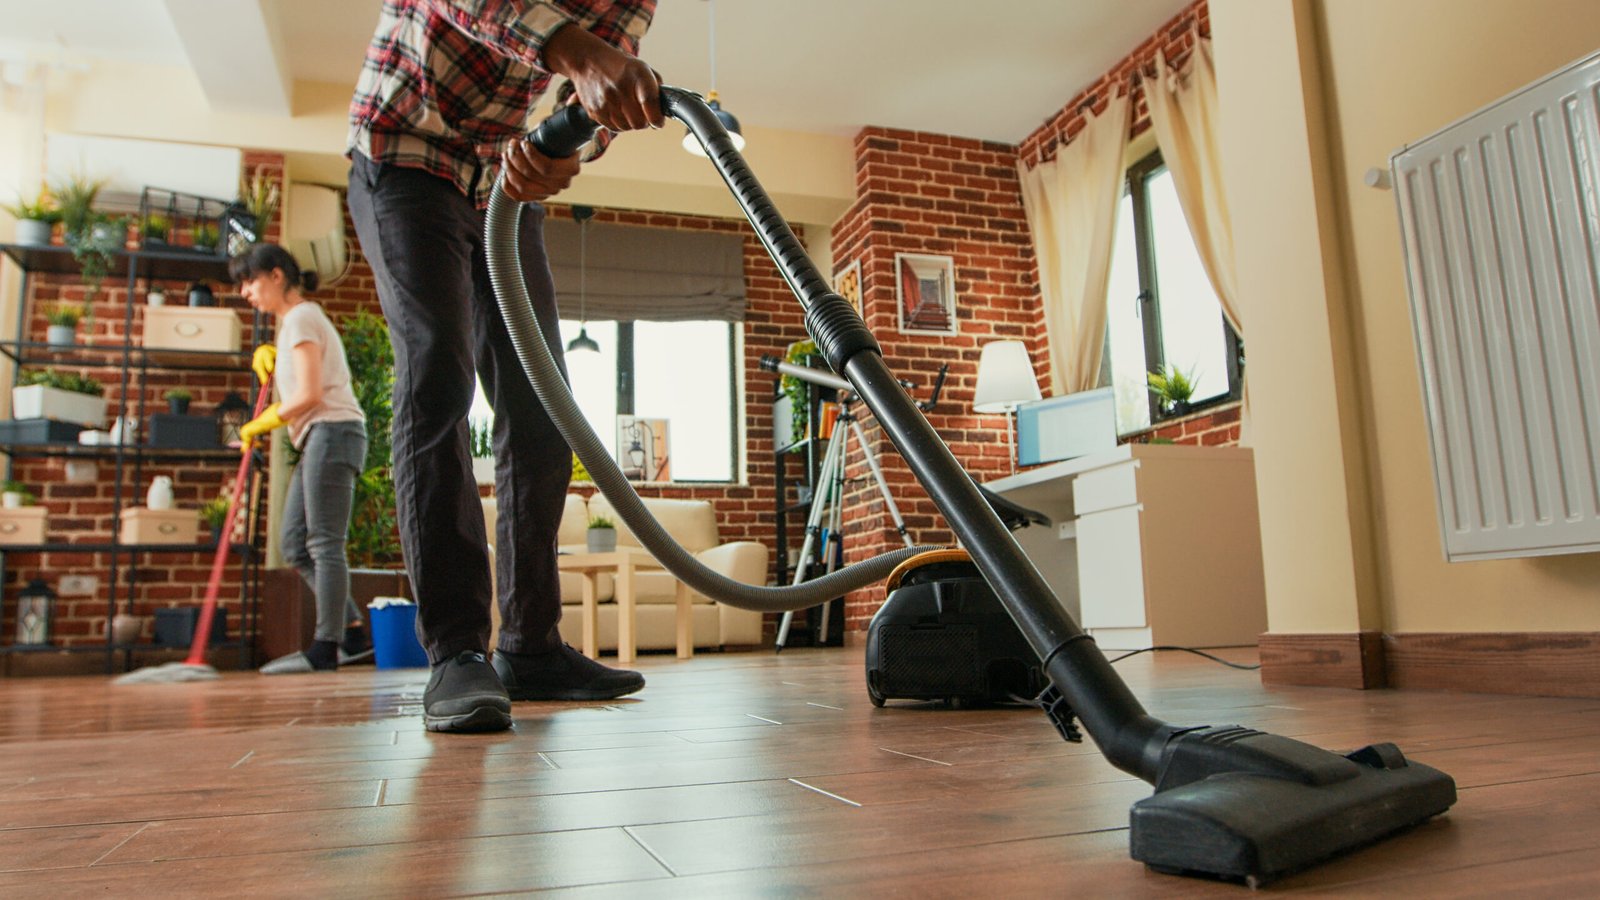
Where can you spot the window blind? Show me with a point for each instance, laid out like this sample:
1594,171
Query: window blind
656,274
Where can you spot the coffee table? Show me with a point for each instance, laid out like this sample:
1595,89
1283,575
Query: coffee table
623,563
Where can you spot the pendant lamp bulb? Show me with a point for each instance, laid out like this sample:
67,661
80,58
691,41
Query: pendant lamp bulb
728,120
583,342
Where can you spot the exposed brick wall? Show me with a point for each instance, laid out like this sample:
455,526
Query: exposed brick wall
1217,426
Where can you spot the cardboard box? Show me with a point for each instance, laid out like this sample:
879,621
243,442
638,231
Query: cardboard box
22,525
207,328
142,525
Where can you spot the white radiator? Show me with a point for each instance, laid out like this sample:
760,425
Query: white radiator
1500,215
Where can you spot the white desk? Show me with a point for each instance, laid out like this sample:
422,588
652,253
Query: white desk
1150,544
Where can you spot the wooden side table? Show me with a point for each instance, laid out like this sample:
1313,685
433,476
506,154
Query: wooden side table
623,562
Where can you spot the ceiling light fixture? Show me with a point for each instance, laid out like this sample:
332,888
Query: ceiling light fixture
690,143
583,342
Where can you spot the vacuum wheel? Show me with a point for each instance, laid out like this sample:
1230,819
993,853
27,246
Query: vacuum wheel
872,691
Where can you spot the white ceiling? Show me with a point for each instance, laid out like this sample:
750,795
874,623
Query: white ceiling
987,70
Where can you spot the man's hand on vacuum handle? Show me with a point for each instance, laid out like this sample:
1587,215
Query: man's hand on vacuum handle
619,91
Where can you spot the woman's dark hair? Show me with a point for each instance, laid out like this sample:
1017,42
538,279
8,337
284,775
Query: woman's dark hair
261,259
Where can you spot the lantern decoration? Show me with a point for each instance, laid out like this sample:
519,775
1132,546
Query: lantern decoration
232,413
35,610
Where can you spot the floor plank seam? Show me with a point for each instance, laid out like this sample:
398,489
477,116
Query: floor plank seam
547,760
812,787
242,759
136,833
825,706
643,845
764,719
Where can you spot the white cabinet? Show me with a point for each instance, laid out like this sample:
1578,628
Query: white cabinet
1166,540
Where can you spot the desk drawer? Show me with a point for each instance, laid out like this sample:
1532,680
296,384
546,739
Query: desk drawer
1108,488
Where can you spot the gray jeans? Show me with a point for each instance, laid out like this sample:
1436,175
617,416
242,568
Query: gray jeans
316,519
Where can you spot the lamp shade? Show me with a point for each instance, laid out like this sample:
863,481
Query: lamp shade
1005,378
729,122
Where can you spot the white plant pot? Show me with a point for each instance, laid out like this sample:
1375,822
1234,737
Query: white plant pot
483,469
11,499
36,401
61,335
602,540
33,232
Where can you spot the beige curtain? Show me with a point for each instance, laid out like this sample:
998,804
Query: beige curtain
1183,111
1071,204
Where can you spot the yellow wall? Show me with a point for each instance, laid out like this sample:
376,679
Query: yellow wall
1381,73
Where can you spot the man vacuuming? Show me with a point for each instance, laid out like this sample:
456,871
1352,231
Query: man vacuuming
440,107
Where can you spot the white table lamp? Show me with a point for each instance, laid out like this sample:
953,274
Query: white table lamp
1005,381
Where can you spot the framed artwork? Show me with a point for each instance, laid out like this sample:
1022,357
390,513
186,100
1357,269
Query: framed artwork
848,284
642,449
926,289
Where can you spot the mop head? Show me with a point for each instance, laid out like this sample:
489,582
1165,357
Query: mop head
168,673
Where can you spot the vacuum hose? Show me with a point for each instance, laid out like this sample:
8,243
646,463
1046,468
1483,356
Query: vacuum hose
560,136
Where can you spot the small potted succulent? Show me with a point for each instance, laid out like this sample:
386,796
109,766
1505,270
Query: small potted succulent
63,327
156,230
205,236
178,401
35,218
602,535
214,513
15,495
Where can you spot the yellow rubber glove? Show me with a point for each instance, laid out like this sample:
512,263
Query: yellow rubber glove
260,425
264,362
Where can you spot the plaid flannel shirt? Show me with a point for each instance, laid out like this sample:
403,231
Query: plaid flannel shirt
448,84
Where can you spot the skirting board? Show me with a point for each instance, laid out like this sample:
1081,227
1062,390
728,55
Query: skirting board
1539,663
1544,664
1348,660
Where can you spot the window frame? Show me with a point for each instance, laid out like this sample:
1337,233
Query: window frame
1136,185
626,376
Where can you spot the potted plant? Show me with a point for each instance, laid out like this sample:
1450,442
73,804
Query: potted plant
94,249
795,402
63,327
1173,387
178,401
374,541
35,218
205,236
214,513
156,230
602,535
15,495
481,443
62,396
258,196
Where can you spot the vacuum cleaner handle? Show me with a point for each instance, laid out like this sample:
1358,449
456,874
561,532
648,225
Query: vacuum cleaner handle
564,133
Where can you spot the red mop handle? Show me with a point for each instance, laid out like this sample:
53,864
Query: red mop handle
208,609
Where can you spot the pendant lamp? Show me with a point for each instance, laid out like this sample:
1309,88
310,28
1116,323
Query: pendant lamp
583,342
728,120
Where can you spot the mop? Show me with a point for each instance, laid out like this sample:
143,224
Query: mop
194,667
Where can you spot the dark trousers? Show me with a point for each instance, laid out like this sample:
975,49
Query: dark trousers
424,241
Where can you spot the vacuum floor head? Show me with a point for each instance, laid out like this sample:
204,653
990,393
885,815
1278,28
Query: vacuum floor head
1243,805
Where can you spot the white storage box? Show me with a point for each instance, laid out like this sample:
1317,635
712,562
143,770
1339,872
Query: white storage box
191,328
37,401
142,525
22,525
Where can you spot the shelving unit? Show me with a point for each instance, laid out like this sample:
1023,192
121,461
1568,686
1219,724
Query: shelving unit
133,364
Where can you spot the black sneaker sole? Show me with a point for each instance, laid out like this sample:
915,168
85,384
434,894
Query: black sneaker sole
484,718
526,694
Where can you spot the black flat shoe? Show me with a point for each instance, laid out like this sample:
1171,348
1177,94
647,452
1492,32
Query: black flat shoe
562,674
464,695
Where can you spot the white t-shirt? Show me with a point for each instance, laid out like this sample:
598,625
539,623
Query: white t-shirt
305,323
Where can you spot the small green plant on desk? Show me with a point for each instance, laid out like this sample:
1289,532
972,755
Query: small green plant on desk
602,535
214,513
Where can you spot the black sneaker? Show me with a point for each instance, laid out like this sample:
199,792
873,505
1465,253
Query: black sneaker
463,694
562,674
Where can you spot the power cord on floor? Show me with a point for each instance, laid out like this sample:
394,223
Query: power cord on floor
1231,665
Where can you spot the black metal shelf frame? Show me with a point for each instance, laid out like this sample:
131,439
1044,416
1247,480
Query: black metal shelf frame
133,364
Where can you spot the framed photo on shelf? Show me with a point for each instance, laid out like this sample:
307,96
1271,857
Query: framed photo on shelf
642,449
925,287
847,283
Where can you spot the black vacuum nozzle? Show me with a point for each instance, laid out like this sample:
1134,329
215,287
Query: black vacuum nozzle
1239,804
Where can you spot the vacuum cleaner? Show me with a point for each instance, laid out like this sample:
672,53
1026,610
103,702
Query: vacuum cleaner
1230,802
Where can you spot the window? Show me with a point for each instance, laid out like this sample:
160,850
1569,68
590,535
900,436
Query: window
679,371
1161,309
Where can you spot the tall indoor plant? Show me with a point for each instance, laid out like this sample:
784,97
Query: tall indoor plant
374,541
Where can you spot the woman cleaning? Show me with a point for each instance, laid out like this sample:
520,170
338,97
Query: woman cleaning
327,426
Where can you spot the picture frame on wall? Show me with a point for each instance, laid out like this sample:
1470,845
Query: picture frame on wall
925,289
643,448
847,284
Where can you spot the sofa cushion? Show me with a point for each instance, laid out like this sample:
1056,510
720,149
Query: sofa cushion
574,521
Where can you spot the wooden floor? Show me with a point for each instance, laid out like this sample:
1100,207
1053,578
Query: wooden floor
734,775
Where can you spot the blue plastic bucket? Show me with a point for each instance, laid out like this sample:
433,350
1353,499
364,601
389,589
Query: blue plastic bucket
394,635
